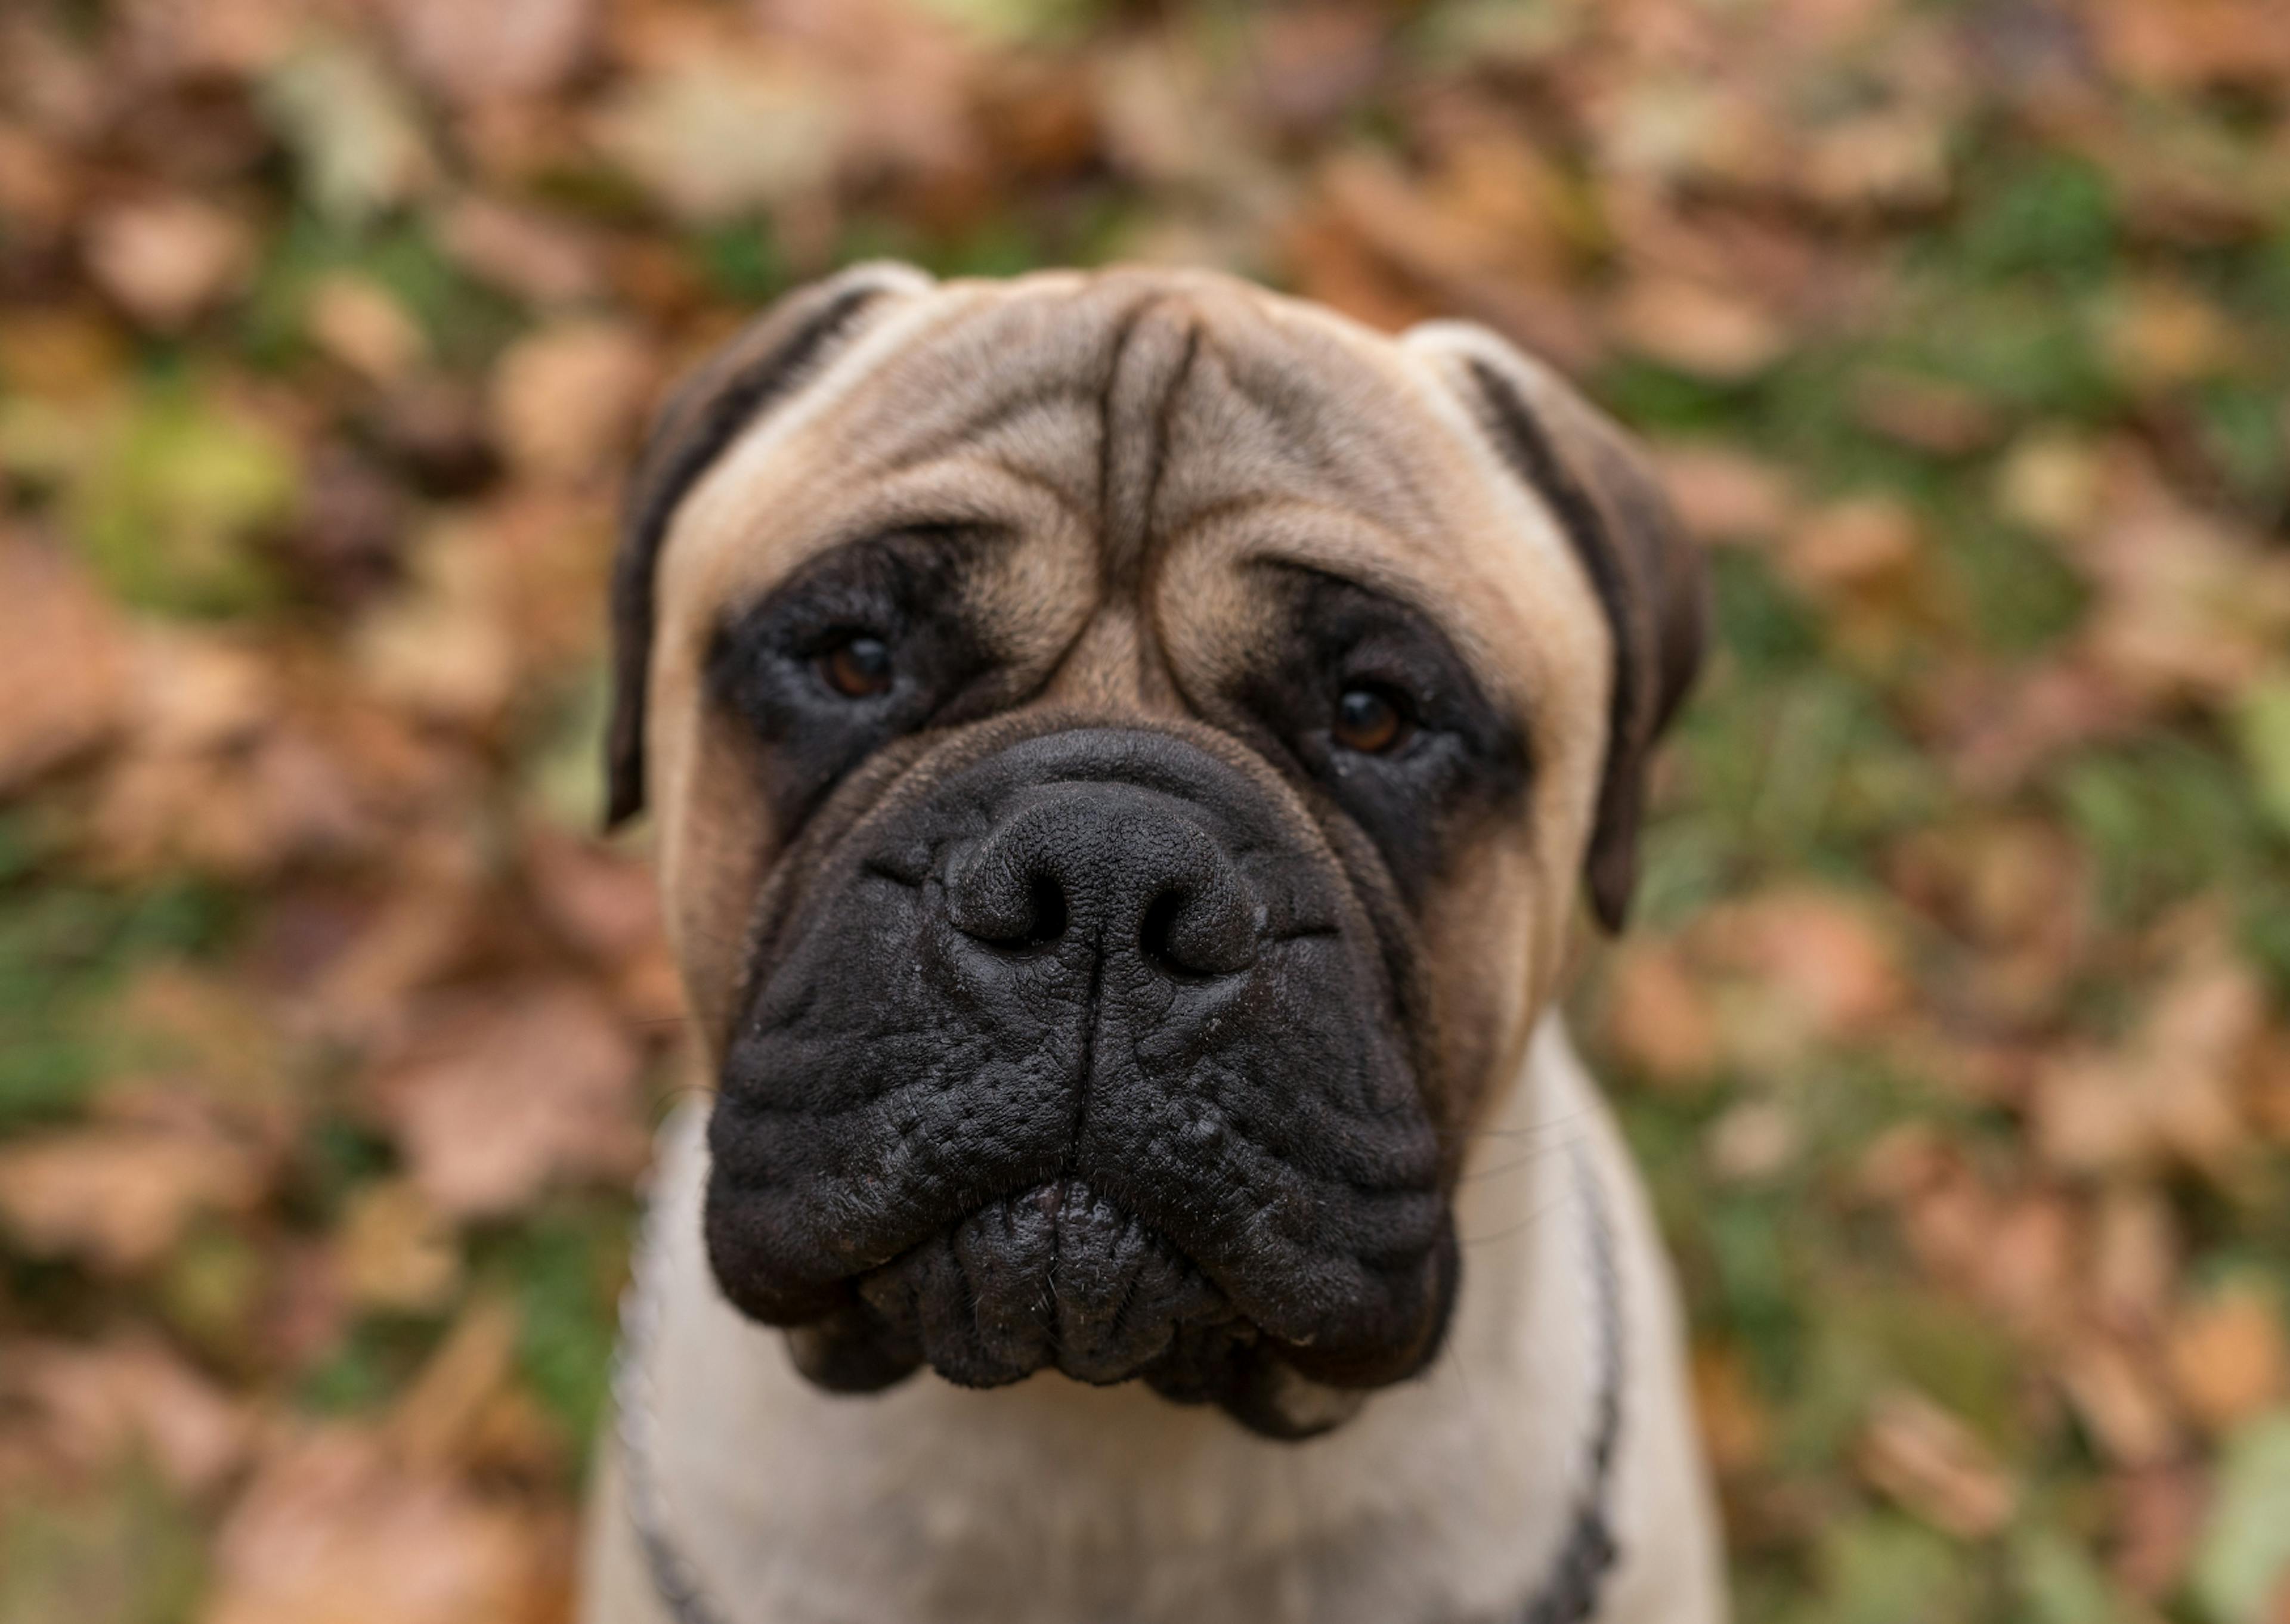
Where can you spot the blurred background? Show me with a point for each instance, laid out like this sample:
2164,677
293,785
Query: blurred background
1955,1031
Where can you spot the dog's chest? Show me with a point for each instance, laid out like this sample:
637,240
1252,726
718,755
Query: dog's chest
1448,1501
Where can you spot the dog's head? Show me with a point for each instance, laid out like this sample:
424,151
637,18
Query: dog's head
1123,747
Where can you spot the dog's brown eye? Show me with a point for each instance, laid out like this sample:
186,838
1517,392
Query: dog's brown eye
857,668
1370,721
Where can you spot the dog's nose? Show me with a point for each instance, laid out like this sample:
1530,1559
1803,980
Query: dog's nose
1127,869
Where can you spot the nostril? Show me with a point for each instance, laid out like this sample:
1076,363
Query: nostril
1014,911
1190,938
1154,933
1046,909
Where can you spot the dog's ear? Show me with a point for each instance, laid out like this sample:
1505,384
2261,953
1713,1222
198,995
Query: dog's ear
1646,571
762,366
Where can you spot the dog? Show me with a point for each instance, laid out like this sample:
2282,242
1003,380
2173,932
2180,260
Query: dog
1121,747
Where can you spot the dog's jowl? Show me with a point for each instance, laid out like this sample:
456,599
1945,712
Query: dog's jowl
1126,751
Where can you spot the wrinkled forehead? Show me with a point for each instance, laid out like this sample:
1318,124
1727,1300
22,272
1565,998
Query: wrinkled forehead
1128,417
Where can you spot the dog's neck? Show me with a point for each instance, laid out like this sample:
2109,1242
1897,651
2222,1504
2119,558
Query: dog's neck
1457,1496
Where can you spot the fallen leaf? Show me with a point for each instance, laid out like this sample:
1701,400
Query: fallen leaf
1850,544
2118,1399
534,1085
533,256
118,1196
167,259
1924,412
503,48
1736,1425
2168,1092
64,662
1933,1465
333,1531
2227,1357
357,142
397,1251
1656,1014
359,324
1753,1141
437,1415
94,1404
567,400
1724,495
1696,329
711,138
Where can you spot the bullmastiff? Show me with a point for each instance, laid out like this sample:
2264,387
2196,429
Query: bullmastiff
1122,748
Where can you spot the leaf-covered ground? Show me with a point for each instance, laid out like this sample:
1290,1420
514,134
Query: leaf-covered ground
1955,1031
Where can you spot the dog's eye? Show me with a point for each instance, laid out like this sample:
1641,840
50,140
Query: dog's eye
857,668
1371,720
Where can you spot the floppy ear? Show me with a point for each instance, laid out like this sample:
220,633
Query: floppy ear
1645,570
762,365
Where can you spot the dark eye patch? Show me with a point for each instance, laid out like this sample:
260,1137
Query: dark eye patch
1459,754
771,664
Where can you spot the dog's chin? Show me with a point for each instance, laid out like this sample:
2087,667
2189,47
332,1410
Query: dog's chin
1061,1278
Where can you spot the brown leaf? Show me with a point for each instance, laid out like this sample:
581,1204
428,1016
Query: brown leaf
533,256
1737,1426
333,1531
396,1250
1850,544
2051,481
2227,1358
1814,966
434,1418
2118,1399
1752,1142
93,1404
1724,495
1925,413
567,399
1933,1465
119,1196
63,661
718,136
364,326
1696,328
532,1086
167,259
2168,1092
1657,1016
503,48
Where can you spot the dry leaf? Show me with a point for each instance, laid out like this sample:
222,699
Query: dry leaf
1657,1015
1850,544
566,401
360,324
334,1531
118,1196
1724,495
167,259
2227,1357
1933,1465
712,139
2169,1091
2120,1401
94,1404
534,1085
1737,1426
396,1251
1695,329
531,255
503,47
438,1414
63,661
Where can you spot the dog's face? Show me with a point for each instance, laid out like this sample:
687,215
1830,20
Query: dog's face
1123,748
